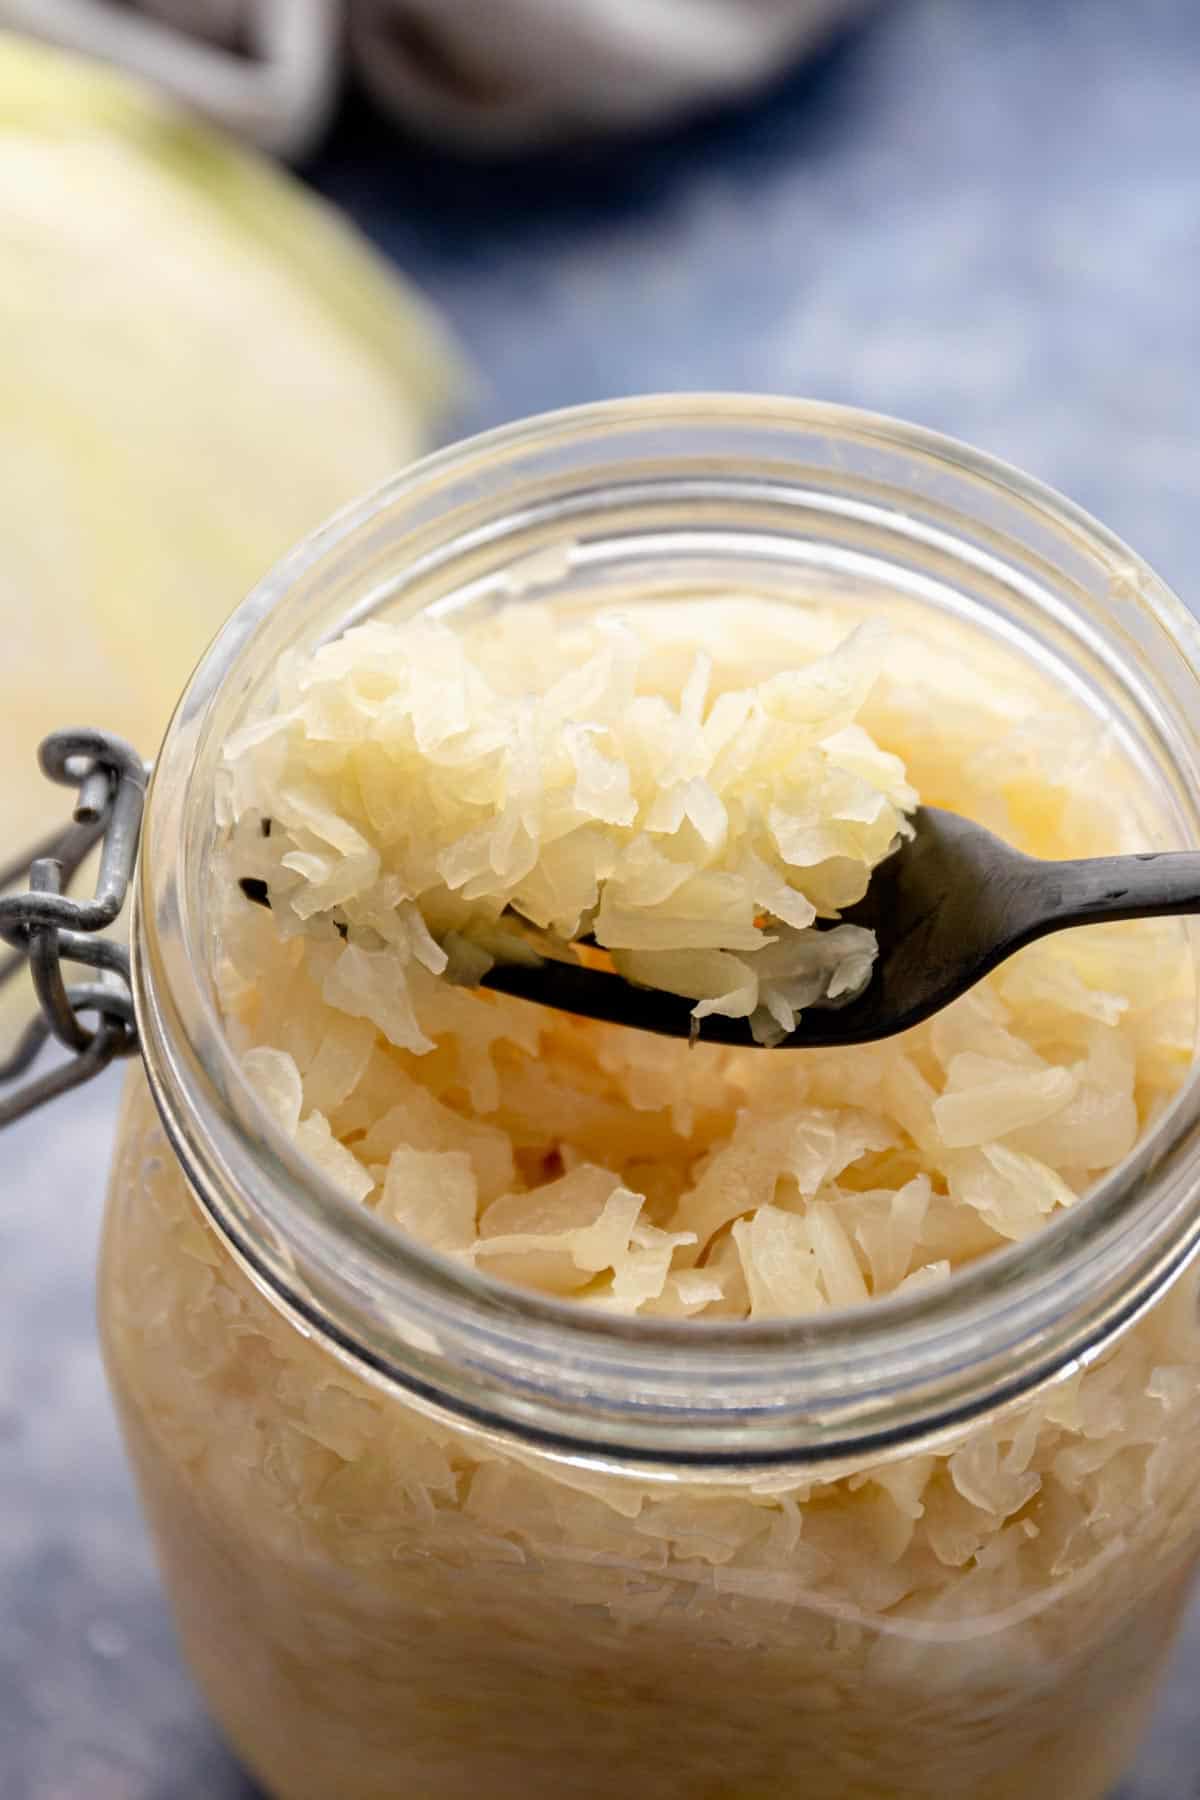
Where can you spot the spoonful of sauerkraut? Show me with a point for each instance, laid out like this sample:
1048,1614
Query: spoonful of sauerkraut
645,817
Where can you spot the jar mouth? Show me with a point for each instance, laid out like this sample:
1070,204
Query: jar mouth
596,1386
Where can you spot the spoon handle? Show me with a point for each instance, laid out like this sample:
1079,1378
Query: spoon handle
1156,885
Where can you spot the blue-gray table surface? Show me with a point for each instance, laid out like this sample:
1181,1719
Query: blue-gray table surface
980,214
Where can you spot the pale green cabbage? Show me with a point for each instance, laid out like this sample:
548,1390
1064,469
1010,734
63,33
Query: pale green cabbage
198,363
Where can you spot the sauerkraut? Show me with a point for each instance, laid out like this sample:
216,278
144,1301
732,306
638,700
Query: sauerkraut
442,797
379,1601
696,789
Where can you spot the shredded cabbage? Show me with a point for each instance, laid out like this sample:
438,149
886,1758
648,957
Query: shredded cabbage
421,798
418,790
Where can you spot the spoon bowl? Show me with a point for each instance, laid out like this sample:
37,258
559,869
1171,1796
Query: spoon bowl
947,907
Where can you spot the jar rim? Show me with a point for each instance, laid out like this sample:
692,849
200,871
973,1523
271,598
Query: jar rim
599,1386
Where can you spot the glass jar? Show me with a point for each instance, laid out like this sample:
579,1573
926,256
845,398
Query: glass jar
425,1534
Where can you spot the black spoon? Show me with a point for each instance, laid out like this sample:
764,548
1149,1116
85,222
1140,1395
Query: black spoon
947,907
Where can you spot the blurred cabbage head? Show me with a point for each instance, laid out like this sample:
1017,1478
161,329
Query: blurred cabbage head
198,363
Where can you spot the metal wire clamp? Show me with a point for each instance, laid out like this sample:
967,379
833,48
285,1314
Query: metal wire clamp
46,927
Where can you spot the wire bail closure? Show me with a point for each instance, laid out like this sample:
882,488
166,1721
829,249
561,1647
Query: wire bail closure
46,927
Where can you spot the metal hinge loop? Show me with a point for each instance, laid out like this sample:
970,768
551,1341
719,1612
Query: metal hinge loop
46,927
